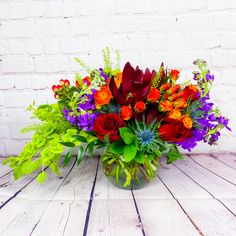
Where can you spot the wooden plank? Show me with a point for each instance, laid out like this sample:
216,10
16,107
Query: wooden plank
216,167
229,159
4,170
20,216
161,214
66,212
211,217
215,185
113,211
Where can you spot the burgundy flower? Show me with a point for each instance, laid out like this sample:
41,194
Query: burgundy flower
134,87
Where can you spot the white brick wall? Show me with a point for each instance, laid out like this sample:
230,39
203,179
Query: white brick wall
40,38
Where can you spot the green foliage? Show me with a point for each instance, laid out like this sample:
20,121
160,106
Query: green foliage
42,177
130,151
174,155
118,147
127,135
47,144
80,154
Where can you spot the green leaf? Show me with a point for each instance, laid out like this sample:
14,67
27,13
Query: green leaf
126,135
118,147
80,154
68,144
130,152
80,138
139,157
173,156
67,158
42,177
157,152
54,167
30,166
91,146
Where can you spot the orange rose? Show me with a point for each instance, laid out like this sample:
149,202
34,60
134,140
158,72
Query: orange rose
140,106
191,91
165,87
180,103
153,95
175,114
102,97
174,74
118,79
165,106
126,112
187,121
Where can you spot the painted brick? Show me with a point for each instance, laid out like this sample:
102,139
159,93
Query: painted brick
225,21
4,11
14,64
19,29
51,64
36,8
16,47
228,40
22,82
33,46
18,10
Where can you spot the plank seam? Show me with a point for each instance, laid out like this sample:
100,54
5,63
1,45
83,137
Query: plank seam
86,223
191,220
15,194
53,196
138,214
226,164
6,174
204,189
211,171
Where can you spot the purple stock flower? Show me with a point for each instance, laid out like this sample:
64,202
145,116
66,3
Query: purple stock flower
86,121
224,121
210,77
90,103
68,116
102,73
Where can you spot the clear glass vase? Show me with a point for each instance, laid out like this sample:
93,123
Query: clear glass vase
131,175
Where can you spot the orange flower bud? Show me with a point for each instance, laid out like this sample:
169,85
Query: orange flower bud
153,95
180,103
126,112
165,106
174,74
174,89
187,121
165,87
140,106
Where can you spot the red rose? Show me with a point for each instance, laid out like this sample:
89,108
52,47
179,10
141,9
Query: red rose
140,106
153,95
108,124
174,132
126,112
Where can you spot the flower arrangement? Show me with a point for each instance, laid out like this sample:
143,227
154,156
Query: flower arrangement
134,116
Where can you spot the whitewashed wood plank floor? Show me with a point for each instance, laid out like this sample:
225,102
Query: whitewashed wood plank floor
192,197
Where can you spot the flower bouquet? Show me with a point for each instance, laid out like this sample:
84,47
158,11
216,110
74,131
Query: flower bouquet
136,117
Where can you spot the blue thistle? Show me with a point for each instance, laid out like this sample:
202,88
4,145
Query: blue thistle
147,136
